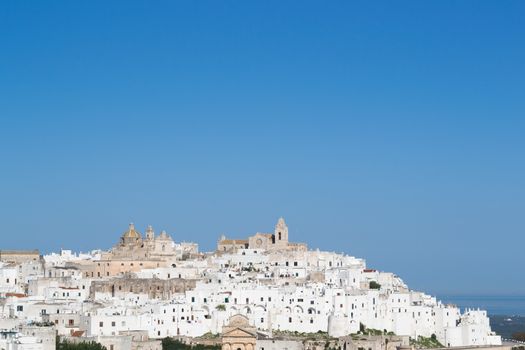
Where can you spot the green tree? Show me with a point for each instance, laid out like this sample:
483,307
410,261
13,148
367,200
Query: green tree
173,344
66,345
374,285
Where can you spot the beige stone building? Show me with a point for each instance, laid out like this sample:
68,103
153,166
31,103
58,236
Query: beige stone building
239,334
133,253
19,256
154,287
278,240
132,246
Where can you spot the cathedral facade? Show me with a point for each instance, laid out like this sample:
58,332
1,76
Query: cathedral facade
239,334
135,247
133,253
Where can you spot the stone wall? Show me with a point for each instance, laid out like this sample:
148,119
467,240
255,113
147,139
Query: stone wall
154,287
19,256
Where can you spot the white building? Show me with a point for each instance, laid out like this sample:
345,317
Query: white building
288,289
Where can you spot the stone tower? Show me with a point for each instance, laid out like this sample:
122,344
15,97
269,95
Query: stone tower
281,233
150,234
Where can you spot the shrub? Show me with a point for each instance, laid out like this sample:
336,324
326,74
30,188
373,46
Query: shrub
66,345
374,285
172,344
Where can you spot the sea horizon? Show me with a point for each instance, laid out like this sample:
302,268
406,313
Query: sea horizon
495,304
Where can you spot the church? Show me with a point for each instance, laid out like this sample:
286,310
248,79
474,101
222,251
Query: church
133,246
238,334
134,253
278,240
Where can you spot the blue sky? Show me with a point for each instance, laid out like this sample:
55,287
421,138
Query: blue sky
392,131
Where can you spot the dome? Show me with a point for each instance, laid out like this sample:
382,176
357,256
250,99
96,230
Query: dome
131,233
164,236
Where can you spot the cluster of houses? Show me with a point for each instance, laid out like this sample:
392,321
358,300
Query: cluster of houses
148,287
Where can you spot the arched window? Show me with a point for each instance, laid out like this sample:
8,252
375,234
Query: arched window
279,235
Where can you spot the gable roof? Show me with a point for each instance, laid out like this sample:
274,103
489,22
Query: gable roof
238,332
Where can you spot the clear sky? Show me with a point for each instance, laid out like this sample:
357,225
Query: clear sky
389,130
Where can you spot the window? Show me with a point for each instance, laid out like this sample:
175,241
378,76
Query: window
113,324
290,319
101,324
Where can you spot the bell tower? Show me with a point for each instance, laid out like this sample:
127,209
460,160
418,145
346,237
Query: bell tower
281,232
150,234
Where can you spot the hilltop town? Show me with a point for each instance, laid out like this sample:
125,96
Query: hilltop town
259,292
